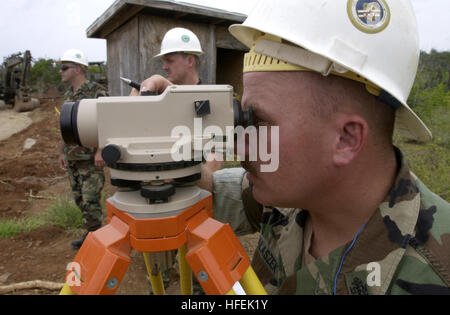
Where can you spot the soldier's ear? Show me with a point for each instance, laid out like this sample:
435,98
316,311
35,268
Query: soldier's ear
191,60
80,69
77,68
351,136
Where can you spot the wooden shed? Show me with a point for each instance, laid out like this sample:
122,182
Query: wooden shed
134,30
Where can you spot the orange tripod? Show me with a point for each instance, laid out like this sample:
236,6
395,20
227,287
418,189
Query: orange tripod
208,247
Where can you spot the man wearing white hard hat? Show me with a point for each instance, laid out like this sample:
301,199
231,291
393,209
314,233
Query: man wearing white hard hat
84,165
180,52
343,213
74,65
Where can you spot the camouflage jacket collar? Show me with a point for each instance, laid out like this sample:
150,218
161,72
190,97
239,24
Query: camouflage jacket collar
384,239
86,85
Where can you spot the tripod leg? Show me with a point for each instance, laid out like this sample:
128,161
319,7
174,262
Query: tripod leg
66,290
251,283
102,260
155,276
215,254
185,272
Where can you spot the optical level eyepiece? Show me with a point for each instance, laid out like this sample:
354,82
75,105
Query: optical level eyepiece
242,118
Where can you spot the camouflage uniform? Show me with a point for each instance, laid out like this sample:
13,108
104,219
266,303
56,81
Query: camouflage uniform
408,238
86,180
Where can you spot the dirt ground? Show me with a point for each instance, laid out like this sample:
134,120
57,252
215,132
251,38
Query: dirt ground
29,180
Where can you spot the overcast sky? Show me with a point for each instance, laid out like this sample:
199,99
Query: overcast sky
49,27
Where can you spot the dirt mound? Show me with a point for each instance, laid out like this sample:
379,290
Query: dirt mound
24,172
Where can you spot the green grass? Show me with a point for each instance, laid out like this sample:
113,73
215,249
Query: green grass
431,163
62,213
11,228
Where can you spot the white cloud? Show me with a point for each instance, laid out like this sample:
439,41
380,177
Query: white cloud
432,19
48,27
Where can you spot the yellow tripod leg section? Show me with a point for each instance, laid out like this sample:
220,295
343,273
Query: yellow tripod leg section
155,280
251,283
66,290
185,272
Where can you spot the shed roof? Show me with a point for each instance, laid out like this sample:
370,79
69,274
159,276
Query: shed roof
123,10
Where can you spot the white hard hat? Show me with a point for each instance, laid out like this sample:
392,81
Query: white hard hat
75,56
371,41
180,40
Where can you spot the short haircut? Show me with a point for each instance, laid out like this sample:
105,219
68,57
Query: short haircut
335,94
196,57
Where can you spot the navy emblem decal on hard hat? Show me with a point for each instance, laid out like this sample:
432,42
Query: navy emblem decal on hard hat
186,38
369,16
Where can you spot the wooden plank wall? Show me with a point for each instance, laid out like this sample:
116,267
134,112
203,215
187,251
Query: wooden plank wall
123,57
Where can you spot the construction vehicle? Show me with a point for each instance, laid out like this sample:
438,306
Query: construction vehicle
14,82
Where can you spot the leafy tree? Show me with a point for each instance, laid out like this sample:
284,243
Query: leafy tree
44,73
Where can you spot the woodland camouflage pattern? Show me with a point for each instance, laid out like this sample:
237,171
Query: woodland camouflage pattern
408,236
86,180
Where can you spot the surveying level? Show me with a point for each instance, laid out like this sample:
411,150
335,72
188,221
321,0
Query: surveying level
157,207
